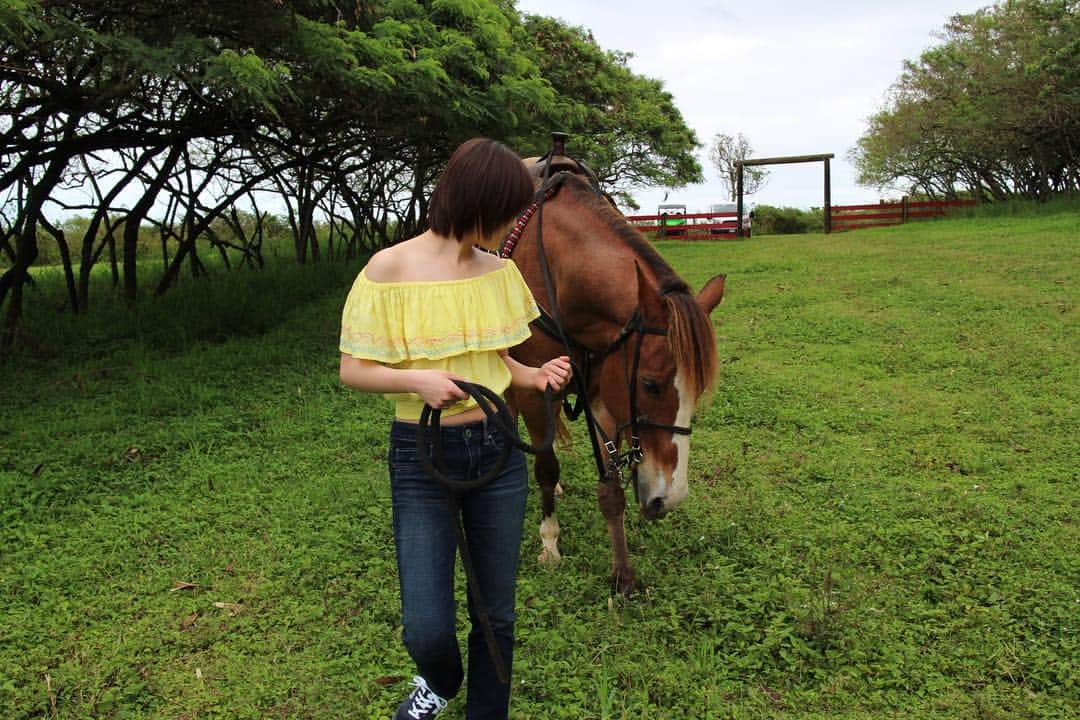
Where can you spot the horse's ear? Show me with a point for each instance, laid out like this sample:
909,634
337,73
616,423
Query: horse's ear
649,301
712,294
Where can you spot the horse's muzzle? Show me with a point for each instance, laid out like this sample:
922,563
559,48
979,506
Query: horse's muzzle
654,509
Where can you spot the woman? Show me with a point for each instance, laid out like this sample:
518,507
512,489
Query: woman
427,311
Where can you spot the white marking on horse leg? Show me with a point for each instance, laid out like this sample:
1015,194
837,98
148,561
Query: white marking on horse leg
558,490
549,535
680,486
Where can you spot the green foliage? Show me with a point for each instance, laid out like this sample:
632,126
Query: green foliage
344,111
18,17
1021,207
994,109
625,126
148,249
198,310
769,220
881,519
248,78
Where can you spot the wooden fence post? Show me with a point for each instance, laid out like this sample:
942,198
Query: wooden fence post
739,201
757,162
828,199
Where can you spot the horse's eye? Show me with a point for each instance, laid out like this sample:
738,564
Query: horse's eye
650,386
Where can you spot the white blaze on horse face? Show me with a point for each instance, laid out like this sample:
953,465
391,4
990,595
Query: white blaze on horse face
656,482
680,486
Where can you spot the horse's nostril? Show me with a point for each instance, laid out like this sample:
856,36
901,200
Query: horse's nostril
656,505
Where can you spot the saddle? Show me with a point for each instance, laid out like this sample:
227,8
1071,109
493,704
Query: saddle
565,163
560,163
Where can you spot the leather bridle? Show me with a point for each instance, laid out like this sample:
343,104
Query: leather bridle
613,467
635,326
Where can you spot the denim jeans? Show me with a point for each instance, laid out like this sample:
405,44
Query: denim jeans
426,550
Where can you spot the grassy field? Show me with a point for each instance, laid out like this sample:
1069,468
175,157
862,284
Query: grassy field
882,520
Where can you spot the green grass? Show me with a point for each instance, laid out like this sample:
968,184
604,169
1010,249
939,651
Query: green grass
881,521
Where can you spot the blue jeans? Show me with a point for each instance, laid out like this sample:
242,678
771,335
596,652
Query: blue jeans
426,549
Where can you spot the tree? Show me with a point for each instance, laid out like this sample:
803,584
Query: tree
624,125
319,88
726,152
993,110
178,115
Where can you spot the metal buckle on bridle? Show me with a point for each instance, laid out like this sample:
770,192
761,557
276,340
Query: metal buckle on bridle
619,463
614,463
636,452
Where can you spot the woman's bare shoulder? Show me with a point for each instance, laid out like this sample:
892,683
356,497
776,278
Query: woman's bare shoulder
412,260
386,265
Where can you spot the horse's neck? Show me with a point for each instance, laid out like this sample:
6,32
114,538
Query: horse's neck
594,274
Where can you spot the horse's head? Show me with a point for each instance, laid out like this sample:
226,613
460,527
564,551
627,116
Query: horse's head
675,366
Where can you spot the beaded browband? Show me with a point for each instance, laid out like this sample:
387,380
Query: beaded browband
512,237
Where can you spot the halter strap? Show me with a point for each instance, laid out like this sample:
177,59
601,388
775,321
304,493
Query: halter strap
549,323
429,444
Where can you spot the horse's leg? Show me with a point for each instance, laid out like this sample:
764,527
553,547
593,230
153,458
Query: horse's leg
547,477
546,469
612,500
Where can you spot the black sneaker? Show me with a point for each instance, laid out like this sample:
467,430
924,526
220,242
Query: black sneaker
422,703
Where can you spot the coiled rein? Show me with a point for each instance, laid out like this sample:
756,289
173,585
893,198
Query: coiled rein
430,455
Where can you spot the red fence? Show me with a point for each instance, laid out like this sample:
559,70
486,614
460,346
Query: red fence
851,217
703,226
688,226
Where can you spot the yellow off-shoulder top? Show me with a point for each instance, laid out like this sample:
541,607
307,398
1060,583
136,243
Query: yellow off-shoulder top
455,325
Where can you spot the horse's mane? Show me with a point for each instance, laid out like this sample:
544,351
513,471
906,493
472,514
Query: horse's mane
690,333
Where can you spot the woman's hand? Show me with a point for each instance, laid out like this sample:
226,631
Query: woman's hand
555,372
437,388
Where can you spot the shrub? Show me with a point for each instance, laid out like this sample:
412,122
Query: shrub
769,220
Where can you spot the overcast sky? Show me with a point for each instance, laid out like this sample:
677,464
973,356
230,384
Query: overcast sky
796,78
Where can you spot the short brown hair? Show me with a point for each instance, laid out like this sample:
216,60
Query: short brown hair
483,186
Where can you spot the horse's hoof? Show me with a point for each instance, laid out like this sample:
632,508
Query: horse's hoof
549,537
624,582
549,557
558,490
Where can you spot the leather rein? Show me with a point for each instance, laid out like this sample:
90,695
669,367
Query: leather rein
616,464
430,455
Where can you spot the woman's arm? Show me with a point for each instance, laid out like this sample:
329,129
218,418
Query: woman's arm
555,372
435,387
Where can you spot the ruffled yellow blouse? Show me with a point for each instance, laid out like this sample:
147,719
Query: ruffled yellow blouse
455,325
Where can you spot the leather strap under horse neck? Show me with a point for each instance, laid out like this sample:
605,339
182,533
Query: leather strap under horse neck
609,470
551,324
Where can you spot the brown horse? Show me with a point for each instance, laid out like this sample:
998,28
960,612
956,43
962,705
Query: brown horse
616,298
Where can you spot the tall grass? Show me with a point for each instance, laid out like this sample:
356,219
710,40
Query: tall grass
215,308
1059,204
881,521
